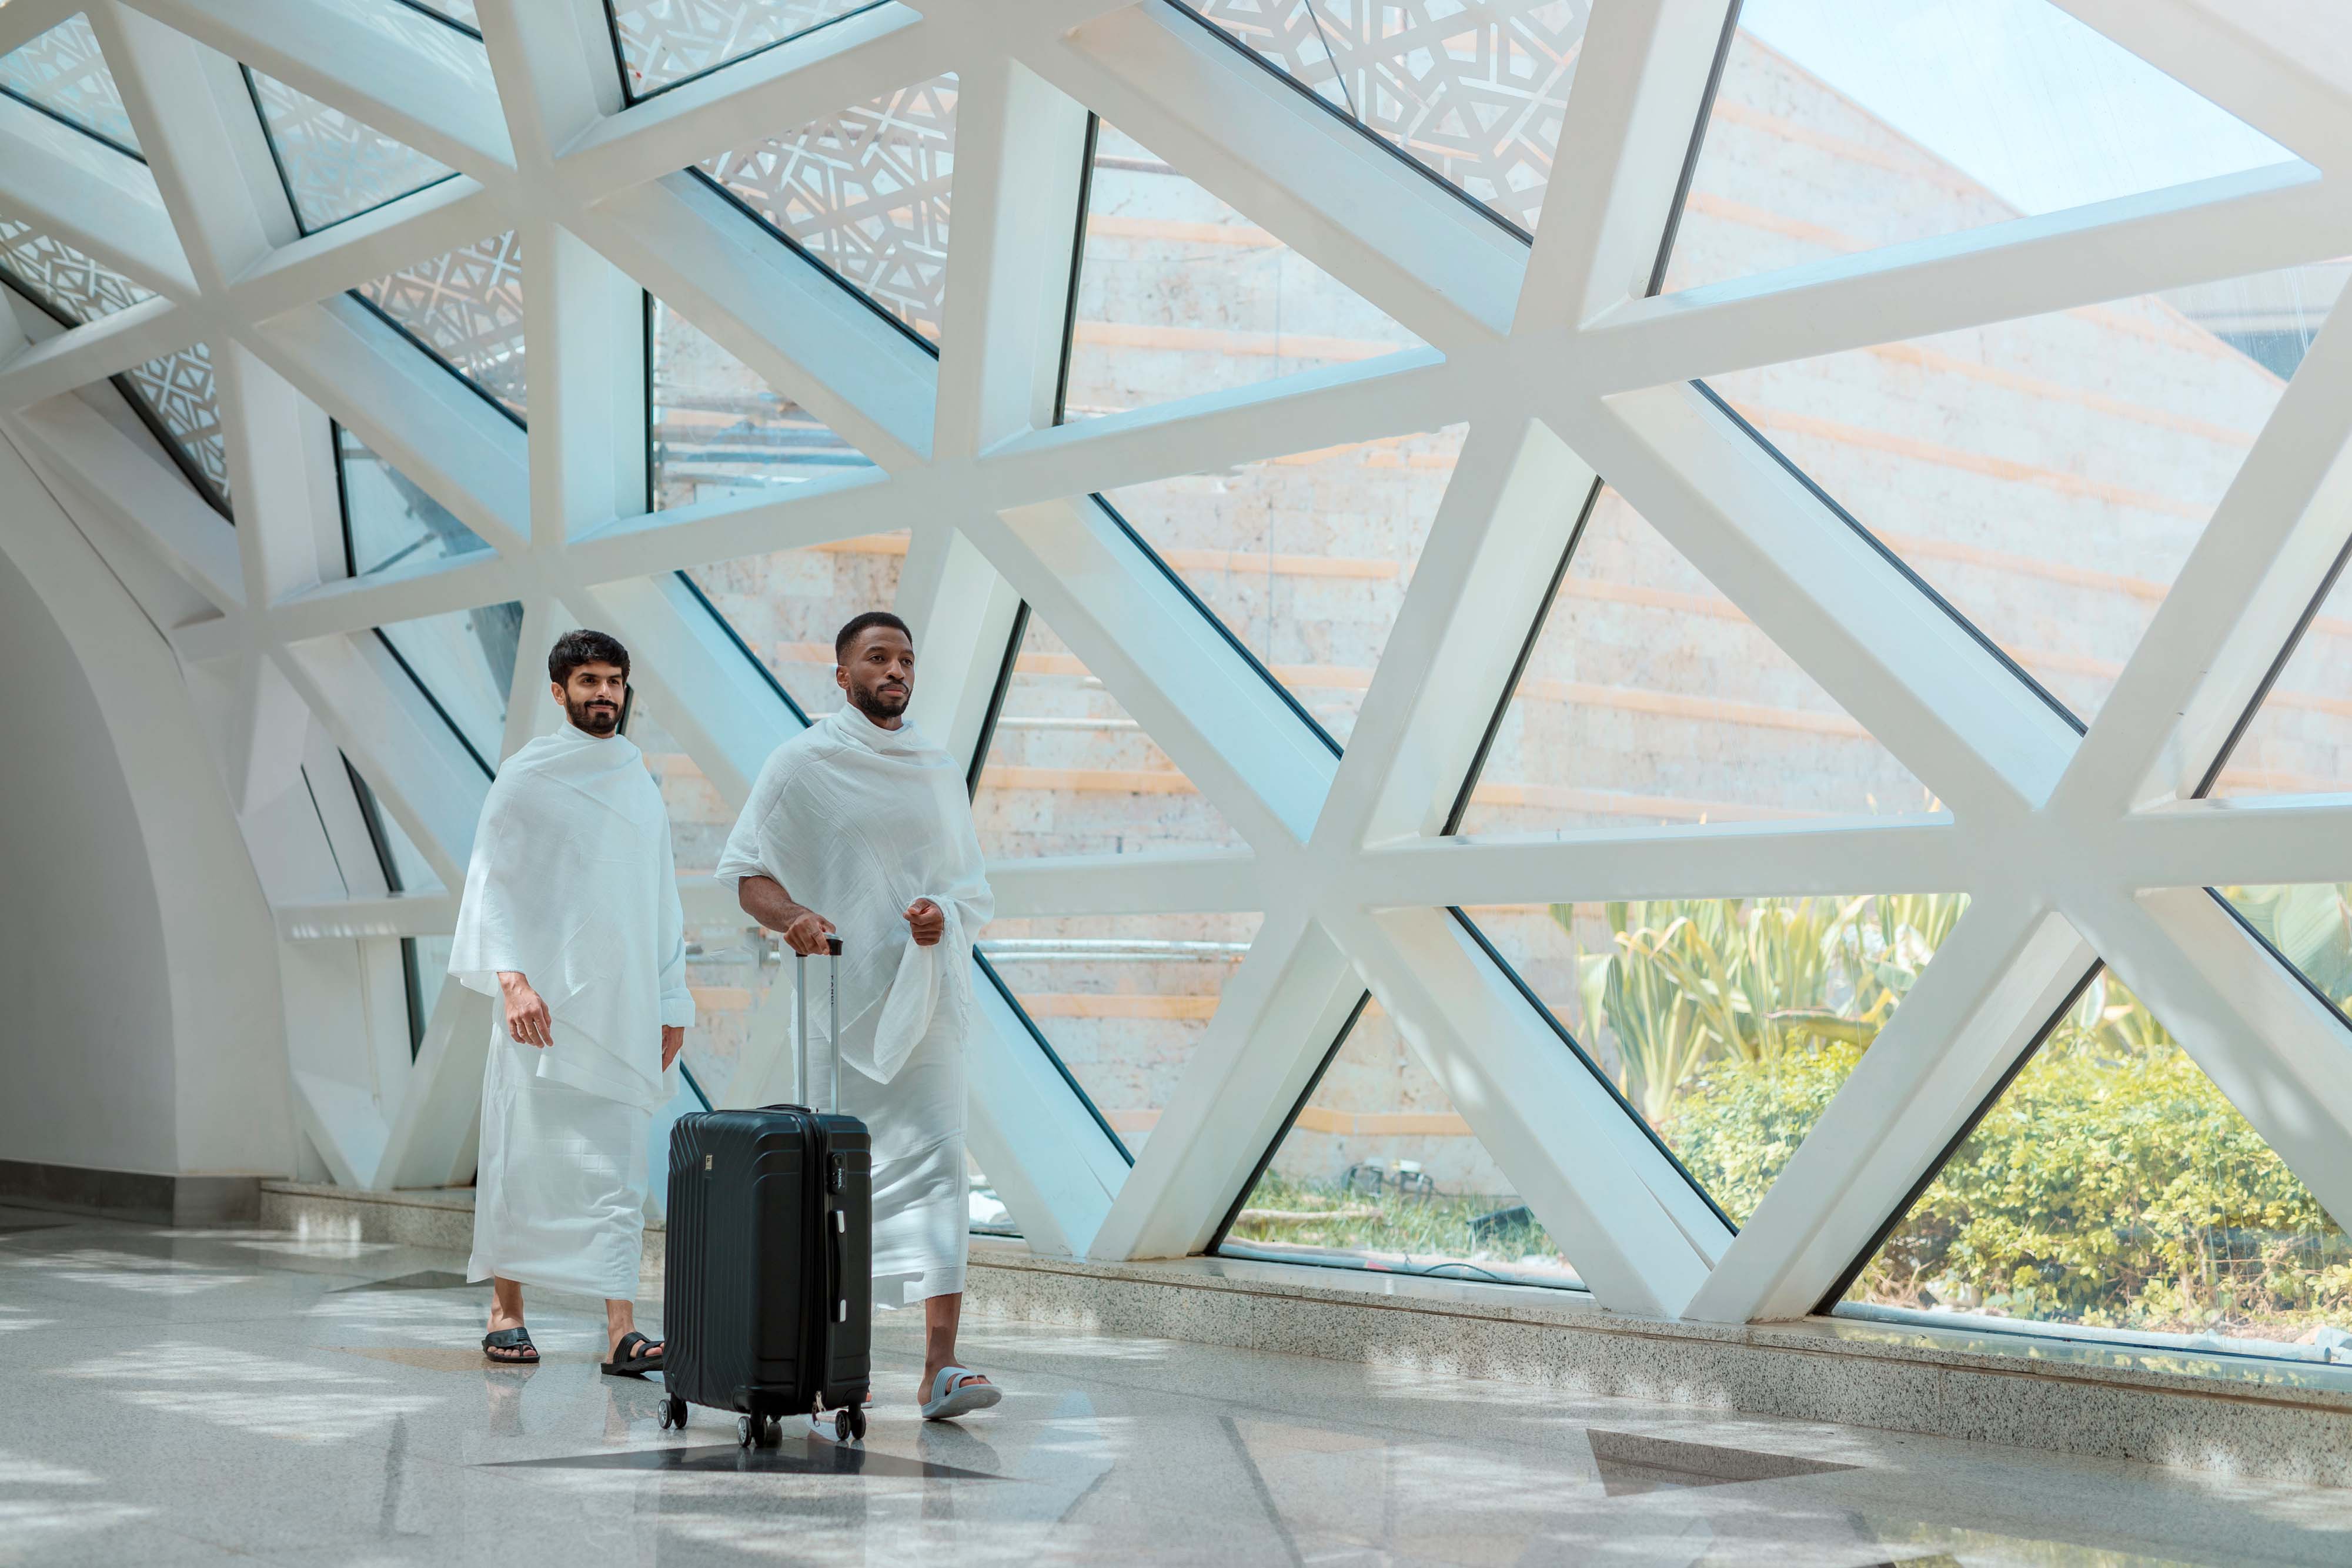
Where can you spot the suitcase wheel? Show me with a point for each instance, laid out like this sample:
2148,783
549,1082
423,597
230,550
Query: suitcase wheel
759,1432
673,1412
849,1424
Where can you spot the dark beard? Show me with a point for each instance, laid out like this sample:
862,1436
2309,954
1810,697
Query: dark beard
871,702
599,721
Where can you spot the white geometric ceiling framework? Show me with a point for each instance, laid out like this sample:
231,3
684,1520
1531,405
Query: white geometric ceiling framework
2069,845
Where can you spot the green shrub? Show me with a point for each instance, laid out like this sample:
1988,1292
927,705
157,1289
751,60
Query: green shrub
2112,1185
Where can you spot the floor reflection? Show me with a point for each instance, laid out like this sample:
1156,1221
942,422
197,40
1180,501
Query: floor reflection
792,1458
294,1412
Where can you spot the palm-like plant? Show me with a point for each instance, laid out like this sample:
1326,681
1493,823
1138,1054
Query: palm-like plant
1688,981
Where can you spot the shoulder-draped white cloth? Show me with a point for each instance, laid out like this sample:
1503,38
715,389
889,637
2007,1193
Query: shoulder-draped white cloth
572,886
858,823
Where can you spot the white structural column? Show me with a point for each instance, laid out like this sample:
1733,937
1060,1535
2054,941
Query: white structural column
1641,81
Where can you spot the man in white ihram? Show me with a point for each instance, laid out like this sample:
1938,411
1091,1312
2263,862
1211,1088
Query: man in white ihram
863,819
571,919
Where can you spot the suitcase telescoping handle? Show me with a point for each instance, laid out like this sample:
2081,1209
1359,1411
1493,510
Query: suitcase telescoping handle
832,1001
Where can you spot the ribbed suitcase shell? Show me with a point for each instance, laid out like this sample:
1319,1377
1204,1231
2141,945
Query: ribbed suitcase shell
767,1295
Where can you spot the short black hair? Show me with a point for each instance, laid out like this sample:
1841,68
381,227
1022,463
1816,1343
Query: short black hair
865,622
575,649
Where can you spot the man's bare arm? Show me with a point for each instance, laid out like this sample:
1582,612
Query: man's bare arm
764,898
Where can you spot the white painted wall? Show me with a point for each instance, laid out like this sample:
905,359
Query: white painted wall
85,1000
139,1021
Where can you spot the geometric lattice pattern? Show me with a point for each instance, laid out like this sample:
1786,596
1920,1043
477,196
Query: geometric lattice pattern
69,286
865,192
467,307
663,42
1475,93
63,74
178,391
1743,780
335,167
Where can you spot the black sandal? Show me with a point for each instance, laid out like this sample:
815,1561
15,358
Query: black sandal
633,1362
517,1338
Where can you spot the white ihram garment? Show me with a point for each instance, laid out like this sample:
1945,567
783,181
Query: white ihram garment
572,886
858,823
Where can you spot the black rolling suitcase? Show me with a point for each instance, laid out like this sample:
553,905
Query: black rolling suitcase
768,1286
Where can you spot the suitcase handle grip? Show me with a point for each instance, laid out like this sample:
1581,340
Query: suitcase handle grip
800,1000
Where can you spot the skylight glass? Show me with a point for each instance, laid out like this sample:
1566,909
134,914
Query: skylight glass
864,191
73,287
333,166
181,399
389,521
465,309
664,42
62,74
1473,93
1846,125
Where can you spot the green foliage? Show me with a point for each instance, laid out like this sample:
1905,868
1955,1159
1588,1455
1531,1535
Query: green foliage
1423,1230
1706,997
2311,925
2112,1185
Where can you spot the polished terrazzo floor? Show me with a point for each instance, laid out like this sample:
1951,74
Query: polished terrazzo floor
203,1396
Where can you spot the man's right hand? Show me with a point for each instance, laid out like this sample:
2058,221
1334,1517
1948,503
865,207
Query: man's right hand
527,1018
805,930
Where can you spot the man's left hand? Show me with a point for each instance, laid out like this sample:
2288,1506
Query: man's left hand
927,921
673,1042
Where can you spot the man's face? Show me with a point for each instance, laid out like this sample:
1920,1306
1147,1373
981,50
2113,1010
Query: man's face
879,673
592,697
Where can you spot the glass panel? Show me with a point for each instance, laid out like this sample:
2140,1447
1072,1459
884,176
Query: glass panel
1070,772
177,394
720,430
663,42
63,74
1381,1172
1123,998
1727,1023
864,191
333,167
1179,294
2300,742
388,520
787,606
1473,93
461,12
1844,125
1650,699
1306,559
986,1213
733,966
427,28
2310,923
61,280
2050,475
466,307
2113,1185
465,662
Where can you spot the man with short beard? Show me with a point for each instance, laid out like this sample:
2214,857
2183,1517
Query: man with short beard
861,818
572,920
